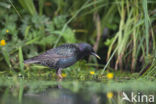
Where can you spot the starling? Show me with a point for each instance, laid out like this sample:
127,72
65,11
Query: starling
62,56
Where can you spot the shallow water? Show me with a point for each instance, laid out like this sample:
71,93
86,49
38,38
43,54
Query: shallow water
59,96
73,91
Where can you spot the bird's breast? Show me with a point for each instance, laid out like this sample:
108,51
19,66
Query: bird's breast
65,62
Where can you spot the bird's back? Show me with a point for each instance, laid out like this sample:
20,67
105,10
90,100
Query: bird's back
64,50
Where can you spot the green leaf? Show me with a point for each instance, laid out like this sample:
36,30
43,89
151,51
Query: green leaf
108,41
28,5
69,35
48,40
6,57
59,21
21,59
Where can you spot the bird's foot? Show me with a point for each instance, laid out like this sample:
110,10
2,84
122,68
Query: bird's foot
58,72
59,76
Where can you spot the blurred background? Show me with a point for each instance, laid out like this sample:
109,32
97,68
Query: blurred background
122,32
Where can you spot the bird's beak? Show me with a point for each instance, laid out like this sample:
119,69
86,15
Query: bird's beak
94,54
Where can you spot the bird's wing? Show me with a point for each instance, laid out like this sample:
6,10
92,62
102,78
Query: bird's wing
52,55
63,51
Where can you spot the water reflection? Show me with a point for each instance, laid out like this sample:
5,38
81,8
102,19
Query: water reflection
72,92
57,96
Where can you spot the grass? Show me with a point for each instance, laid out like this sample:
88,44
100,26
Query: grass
21,60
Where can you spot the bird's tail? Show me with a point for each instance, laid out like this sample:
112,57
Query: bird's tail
30,61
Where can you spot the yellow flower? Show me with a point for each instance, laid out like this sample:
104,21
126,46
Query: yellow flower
63,75
7,31
2,42
92,72
110,75
109,95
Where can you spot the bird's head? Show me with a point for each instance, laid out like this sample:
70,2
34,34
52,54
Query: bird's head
87,49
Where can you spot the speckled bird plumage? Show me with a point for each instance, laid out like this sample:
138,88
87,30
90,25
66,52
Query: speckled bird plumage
62,56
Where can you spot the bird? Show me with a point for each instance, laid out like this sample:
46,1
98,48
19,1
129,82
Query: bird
63,56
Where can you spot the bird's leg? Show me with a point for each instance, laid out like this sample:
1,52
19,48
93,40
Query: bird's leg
58,72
